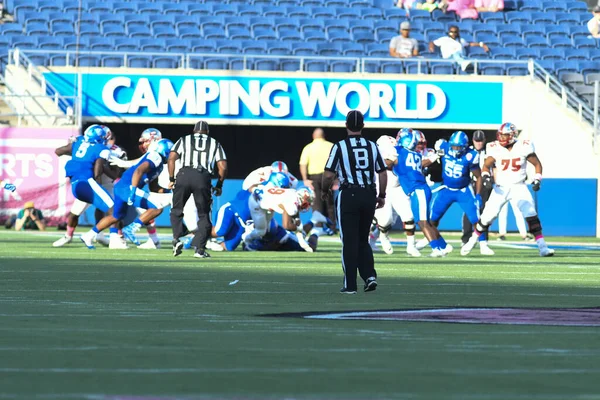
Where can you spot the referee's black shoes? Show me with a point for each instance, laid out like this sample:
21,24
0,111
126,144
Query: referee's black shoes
201,254
177,248
347,291
371,284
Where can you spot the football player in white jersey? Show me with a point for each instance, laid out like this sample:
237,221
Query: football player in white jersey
106,181
510,156
398,203
262,174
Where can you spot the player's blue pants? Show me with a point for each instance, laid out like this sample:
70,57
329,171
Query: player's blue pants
420,200
446,197
229,226
277,238
122,209
90,191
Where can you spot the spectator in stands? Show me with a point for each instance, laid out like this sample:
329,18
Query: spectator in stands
30,218
489,5
452,46
404,46
406,4
463,8
429,5
594,23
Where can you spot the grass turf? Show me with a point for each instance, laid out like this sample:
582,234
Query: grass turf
141,324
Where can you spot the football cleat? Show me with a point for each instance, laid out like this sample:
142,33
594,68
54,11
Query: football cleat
347,291
437,253
117,243
421,244
386,245
485,250
88,239
467,247
448,249
149,245
370,284
129,232
100,238
177,248
214,246
62,241
303,243
546,252
201,254
413,252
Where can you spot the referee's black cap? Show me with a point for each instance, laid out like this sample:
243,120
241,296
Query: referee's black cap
355,121
201,126
478,136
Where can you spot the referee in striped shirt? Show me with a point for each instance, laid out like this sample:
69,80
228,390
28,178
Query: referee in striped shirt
198,153
356,162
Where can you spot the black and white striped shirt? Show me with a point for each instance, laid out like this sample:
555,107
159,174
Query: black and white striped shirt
199,151
356,161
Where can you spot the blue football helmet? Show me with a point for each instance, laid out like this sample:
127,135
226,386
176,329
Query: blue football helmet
458,144
409,141
402,133
95,134
162,147
279,179
279,166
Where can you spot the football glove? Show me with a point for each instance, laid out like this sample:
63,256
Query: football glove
131,198
116,161
9,186
486,181
535,186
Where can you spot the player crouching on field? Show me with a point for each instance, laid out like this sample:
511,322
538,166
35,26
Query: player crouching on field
510,156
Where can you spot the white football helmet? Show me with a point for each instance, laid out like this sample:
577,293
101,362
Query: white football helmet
386,141
147,137
305,198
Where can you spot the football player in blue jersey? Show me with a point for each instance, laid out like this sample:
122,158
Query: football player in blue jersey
408,167
129,194
89,155
458,162
231,223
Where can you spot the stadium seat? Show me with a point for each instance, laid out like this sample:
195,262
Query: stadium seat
415,15
166,62
551,54
441,68
505,30
279,48
562,42
342,66
413,67
35,16
39,59
531,5
553,6
151,45
74,43
139,32
214,33
265,34
254,47
587,67
536,41
178,45
241,64
340,37
132,21
290,35
377,50
88,61
266,65
290,65
354,50
316,66
299,12
100,43
512,41
112,31
215,63
217,22
566,19
274,11
396,67
200,9
175,9
571,78
448,17
112,61
126,44
123,8
48,43
517,17
36,28
590,78
247,10
203,46
237,22
189,33
360,3
492,17
139,62
364,38
61,60
477,52
239,33
503,53
286,23
228,46
516,70
585,43
162,21
565,66
337,25
370,14
576,54
351,14
99,7
362,27
330,49
576,6
336,3
492,69
225,9
261,23
315,36
542,18
304,49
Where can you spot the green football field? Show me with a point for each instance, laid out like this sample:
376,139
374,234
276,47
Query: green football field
132,324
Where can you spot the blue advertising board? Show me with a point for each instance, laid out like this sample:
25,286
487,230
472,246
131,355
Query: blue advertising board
283,98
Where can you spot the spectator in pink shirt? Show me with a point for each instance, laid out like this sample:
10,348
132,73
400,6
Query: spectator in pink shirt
489,5
463,8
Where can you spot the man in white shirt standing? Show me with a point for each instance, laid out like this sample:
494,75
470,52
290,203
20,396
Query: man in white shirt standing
452,46
403,46
594,23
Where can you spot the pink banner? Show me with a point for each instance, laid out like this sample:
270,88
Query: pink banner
27,160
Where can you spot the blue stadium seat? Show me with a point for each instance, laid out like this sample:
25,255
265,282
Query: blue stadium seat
279,48
492,17
551,54
517,17
99,7
564,42
413,67
203,46
337,37
527,53
139,62
152,45
286,23
448,17
532,30
265,34
214,33
60,60
88,61
492,69
548,65
594,55
39,59
572,78
385,37
200,9
261,23
112,61
217,22
23,42
139,32
477,52
237,22
73,42
174,9
187,21
35,16
9,29
330,49
274,11
342,66
542,18
225,9
360,3
531,5
290,35
441,68
512,41
21,9
126,44
576,54
377,50
316,66
566,18
480,27
364,38
578,32
290,65
250,10
48,43
112,31
266,65
353,50
228,46
558,34
36,28
323,12
554,6
100,43
196,63
239,34
123,8
304,49
299,12
254,47
396,67
189,33
370,14
178,45
415,15
566,66
336,3
513,70
315,36
489,39
503,53
576,6
240,64
586,67
590,78
159,21
386,26
113,20
536,41
352,14
166,62
55,17
584,43
132,21
502,30
362,27
147,8
372,66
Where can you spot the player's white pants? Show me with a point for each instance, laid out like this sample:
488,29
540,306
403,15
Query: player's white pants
79,206
503,217
261,219
396,204
519,196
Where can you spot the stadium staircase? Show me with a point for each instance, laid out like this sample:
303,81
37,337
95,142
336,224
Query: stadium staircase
308,35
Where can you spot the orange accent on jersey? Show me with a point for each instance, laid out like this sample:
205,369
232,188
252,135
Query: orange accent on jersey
276,190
